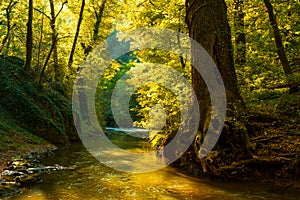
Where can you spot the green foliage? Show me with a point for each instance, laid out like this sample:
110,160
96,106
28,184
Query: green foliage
263,68
105,88
41,108
158,13
12,134
44,112
66,23
153,106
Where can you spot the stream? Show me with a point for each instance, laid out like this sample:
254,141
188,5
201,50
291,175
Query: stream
90,179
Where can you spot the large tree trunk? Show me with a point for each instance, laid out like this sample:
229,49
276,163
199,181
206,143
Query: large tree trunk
208,25
29,37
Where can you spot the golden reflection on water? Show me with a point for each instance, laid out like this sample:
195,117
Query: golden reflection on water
90,183
163,184
91,180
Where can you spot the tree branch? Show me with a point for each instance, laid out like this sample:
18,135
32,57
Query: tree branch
62,6
42,13
64,37
10,6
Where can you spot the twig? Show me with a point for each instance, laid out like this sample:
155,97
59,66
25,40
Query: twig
263,139
42,13
62,6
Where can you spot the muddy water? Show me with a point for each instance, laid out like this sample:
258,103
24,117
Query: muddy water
89,179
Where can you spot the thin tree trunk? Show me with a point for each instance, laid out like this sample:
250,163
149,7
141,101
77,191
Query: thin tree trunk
29,37
57,71
99,15
280,48
240,37
8,26
183,63
76,36
40,44
47,60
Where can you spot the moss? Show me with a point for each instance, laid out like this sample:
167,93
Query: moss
13,136
29,107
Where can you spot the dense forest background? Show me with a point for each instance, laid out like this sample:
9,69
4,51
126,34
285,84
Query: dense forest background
54,37
83,24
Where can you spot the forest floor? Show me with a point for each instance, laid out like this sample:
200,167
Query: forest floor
277,142
277,154
275,157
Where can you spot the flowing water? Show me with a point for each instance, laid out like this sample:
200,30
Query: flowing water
89,179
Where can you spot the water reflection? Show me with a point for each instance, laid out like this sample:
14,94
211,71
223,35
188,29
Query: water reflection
92,180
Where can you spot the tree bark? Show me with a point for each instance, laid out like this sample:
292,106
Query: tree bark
29,37
58,72
208,25
76,35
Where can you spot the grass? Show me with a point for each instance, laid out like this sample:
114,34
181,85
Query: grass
265,100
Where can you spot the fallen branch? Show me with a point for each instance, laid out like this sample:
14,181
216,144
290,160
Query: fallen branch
285,85
264,139
261,161
287,154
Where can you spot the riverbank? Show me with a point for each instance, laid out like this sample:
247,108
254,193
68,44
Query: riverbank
34,116
20,169
275,153
16,141
22,148
276,160
15,146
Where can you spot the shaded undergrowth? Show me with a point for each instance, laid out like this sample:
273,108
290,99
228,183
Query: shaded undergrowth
31,113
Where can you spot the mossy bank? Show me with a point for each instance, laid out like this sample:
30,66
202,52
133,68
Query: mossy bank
33,116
